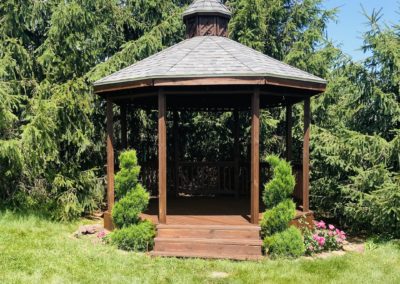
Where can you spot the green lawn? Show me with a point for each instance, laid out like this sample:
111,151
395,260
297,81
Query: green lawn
36,251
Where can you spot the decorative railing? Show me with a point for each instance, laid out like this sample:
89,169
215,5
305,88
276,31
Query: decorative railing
203,178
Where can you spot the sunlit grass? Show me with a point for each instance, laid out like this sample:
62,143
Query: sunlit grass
38,251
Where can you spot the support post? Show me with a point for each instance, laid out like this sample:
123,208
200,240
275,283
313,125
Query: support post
306,155
176,152
255,156
124,131
162,158
108,224
289,139
236,153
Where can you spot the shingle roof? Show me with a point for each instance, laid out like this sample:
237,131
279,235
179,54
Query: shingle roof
207,56
206,6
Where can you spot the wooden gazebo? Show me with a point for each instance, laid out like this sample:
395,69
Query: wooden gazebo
208,71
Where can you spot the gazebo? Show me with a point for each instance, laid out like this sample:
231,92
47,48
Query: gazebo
208,72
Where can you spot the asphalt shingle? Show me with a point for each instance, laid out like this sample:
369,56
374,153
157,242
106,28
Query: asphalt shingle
207,56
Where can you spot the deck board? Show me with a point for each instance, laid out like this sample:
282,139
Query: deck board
205,211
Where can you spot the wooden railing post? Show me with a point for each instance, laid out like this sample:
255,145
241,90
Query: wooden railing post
110,167
162,158
255,156
306,154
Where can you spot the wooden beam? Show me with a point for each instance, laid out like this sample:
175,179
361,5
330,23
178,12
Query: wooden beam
124,130
255,156
110,166
212,81
289,132
176,151
162,158
306,155
236,153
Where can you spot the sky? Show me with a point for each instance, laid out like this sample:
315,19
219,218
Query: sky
351,23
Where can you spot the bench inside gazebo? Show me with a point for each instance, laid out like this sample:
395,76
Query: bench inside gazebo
208,209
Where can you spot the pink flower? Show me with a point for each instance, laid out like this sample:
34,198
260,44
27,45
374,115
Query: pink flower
316,237
331,227
321,225
330,234
321,241
311,248
101,234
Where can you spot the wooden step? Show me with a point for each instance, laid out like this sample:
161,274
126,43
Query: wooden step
205,255
212,246
208,231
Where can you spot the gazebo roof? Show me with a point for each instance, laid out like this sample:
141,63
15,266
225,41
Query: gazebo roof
207,57
207,6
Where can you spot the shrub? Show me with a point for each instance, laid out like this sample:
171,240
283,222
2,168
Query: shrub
133,198
127,210
288,243
138,237
323,238
277,219
127,177
282,183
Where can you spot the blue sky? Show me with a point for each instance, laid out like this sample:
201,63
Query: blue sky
351,23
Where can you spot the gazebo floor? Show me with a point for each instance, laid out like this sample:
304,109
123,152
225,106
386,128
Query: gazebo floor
221,210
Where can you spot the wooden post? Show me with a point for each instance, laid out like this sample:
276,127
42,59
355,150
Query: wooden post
162,158
306,155
255,156
236,153
289,139
108,224
124,131
176,152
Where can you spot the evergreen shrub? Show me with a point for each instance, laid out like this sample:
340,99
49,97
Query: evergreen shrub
277,219
138,237
288,243
127,210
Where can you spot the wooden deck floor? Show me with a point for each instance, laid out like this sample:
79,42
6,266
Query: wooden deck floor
204,211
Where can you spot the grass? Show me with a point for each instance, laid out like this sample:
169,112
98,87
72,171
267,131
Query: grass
33,250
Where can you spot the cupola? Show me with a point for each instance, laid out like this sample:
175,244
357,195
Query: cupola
206,18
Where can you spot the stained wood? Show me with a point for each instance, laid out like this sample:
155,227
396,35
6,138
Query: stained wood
213,81
306,155
255,156
162,157
206,25
202,211
289,131
124,130
110,158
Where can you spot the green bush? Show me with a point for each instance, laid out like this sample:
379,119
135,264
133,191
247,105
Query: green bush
277,218
127,177
127,210
138,237
282,183
288,243
133,198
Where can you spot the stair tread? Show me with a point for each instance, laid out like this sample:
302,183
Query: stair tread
211,227
255,242
206,255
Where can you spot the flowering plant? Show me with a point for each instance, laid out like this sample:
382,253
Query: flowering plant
323,238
